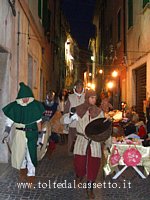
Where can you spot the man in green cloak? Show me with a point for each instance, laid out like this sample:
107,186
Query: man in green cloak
25,113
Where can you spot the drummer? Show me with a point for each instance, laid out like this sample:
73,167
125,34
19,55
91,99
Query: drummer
87,153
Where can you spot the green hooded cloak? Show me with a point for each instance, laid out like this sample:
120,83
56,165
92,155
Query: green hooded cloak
27,115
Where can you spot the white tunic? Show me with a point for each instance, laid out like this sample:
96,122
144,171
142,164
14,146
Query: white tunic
82,142
74,102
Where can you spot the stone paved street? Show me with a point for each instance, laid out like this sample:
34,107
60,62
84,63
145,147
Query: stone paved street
59,169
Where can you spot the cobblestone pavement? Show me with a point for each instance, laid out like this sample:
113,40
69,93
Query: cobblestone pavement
59,169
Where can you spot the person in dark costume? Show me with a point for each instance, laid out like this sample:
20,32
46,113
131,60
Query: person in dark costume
25,113
50,106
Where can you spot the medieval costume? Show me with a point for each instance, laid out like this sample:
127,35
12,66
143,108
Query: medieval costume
25,116
50,106
87,153
75,99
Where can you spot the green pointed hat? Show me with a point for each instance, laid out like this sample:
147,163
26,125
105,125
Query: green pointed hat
24,91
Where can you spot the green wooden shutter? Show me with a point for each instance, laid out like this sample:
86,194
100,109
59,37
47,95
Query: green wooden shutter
49,18
45,9
130,13
39,9
46,20
145,2
140,90
119,25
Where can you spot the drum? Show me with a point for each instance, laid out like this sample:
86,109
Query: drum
99,130
42,148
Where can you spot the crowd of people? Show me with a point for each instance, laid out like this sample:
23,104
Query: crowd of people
68,115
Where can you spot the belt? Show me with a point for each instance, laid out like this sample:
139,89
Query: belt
88,145
89,141
81,134
25,129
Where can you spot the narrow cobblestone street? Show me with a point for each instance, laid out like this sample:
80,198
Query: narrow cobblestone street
59,169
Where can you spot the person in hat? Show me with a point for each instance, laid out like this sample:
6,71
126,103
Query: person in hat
26,115
87,153
75,99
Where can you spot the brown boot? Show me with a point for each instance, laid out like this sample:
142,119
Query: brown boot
78,181
31,181
90,194
23,175
89,190
49,153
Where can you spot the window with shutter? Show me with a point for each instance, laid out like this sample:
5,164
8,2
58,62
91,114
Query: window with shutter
130,13
119,25
140,90
46,17
40,8
145,2
44,12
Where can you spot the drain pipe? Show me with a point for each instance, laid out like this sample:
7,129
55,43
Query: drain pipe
124,29
18,52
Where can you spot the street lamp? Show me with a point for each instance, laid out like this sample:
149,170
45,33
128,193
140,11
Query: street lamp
110,85
114,74
92,58
100,71
93,86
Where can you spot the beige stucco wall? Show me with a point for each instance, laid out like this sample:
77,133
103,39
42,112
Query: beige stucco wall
17,48
7,63
7,30
138,48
